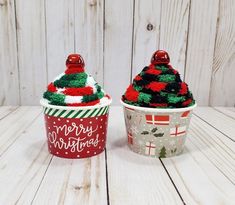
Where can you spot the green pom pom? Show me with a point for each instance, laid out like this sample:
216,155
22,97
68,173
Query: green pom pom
98,87
75,76
73,83
167,78
72,80
89,98
162,68
137,88
175,99
54,98
144,97
100,95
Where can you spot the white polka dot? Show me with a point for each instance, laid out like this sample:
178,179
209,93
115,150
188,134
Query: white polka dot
67,120
66,152
53,122
101,119
94,152
99,147
103,133
81,119
78,155
96,118
100,127
58,119
88,151
102,140
49,128
90,122
48,117
50,146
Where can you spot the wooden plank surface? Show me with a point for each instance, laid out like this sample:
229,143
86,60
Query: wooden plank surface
14,124
117,47
132,177
218,120
89,29
228,111
6,110
9,75
174,31
222,85
200,48
204,174
73,182
146,33
31,41
59,35
25,162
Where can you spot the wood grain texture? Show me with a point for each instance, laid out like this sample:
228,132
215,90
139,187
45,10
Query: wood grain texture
74,181
89,25
200,48
14,124
222,83
218,120
174,31
228,111
59,35
6,110
30,15
25,162
146,33
9,75
134,178
117,47
204,173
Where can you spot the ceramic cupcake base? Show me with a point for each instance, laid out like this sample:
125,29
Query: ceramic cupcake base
156,132
76,132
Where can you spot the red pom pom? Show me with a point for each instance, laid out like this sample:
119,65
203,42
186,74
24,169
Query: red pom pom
132,94
75,60
84,104
51,88
158,104
78,91
152,70
183,89
156,86
73,70
137,78
187,102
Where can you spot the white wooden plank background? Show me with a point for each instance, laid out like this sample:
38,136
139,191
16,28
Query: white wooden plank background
117,39
203,174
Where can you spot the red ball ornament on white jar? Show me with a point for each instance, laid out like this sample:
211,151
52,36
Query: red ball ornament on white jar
160,57
75,61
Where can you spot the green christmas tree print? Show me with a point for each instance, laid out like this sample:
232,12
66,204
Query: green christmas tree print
162,153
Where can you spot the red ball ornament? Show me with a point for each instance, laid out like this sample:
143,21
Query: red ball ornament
75,61
160,57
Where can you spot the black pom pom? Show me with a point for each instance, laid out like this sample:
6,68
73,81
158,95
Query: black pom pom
149,77
157,98
173,87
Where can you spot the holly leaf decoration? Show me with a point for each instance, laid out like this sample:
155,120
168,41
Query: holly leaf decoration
154,129
158,135
145,133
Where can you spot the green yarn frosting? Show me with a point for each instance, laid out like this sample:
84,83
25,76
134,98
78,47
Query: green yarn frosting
144,97
57,99
166,78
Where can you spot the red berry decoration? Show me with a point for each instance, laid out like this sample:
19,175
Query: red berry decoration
160,57
75,61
